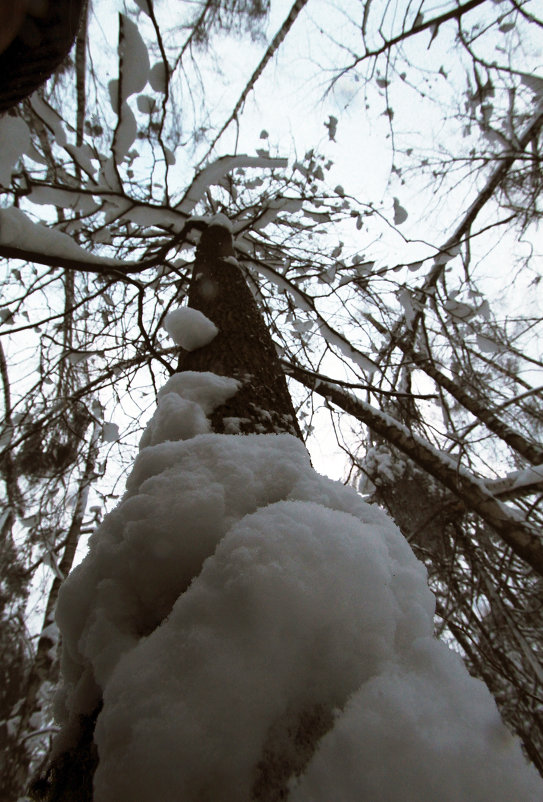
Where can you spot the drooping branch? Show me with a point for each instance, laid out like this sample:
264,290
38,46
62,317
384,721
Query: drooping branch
473,494
462,232
307,303
479,407
504,163
530,451
420,25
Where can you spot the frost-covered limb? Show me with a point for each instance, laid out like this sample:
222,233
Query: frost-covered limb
517,483
54,124
371,388
515,532
213,173
21,238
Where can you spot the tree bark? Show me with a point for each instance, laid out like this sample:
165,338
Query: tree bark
243,349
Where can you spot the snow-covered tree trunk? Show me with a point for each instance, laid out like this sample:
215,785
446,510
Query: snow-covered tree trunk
242,349
245,629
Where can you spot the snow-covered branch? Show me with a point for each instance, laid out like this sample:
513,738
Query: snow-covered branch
529,450
515,532
518,483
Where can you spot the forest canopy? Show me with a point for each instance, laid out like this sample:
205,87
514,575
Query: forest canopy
380,165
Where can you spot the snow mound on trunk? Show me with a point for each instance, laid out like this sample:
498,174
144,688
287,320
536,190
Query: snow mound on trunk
257,631
190,328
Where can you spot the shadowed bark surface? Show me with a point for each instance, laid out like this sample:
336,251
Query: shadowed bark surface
243,348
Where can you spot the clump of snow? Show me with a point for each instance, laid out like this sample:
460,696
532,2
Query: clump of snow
125,133
421,730
158,77
530,475
66,199
17,230
133,76
189,328
183,405
216,171
222,220
110,432
134,58
206,389
381,467
230,260
155,216
233,425
273,208
146,104
83,156
232,590
50,117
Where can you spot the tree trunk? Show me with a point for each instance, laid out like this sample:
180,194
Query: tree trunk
243,349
